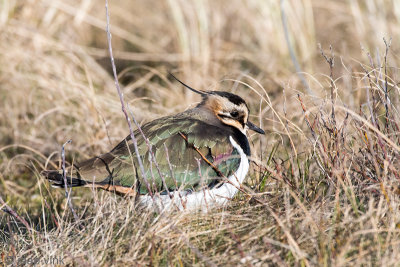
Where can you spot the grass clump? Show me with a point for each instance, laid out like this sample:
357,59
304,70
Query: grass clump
323,189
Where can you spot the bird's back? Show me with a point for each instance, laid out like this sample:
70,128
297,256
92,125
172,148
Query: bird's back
188,151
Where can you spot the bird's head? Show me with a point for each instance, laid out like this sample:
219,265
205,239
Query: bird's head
229,108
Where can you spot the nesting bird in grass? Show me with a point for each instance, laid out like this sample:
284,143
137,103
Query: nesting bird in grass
196,159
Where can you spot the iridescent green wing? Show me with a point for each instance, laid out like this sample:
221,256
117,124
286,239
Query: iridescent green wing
198,155
191,146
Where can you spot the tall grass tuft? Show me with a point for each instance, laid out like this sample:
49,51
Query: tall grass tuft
323,189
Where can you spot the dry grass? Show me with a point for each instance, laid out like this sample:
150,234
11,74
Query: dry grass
325,189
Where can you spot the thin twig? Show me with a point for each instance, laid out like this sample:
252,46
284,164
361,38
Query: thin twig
71,207
172,173
387,44
153,157
314,135
371,110
9,210
373,106
331,62
215,168
51,213
121,98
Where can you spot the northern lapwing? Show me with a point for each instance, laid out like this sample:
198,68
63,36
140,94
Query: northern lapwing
196,159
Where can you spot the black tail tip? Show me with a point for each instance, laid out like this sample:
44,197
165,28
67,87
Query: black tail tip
57,179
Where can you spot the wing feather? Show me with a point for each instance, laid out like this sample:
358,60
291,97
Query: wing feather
119,167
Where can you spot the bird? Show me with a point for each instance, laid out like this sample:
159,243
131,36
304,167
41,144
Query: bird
196,159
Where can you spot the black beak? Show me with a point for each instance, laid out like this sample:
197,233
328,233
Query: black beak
253,127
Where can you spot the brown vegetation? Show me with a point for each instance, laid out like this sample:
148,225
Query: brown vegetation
324,185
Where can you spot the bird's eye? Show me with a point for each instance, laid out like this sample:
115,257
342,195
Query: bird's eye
234,114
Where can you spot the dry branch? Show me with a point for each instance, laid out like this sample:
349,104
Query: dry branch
121,98
67,195
9,210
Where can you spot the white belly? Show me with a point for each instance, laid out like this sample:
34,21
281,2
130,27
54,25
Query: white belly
207,198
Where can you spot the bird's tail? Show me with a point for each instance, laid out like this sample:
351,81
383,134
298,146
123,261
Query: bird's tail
57,179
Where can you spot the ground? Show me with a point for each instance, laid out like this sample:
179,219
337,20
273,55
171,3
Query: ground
320,77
